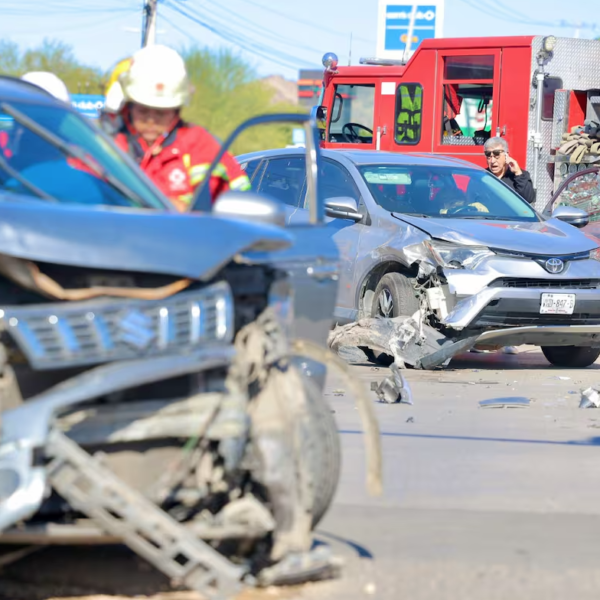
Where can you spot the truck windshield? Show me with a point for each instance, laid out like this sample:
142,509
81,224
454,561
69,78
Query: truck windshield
444,192
40,167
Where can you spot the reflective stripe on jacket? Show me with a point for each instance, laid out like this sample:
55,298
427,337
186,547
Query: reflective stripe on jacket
177,162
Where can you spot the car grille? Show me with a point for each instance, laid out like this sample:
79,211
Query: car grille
573,284
59,335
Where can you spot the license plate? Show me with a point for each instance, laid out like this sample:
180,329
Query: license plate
557,304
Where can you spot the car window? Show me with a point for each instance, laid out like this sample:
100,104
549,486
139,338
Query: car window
252,169
467,108
66,179
284,179
582,192
335,181
444,192
353,114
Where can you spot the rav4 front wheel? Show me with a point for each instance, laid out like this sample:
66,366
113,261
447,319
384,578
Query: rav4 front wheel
576,357
394,297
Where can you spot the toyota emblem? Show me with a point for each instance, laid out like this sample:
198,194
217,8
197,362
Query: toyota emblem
554,265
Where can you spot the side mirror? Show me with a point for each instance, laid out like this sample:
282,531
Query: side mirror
572,215
343,207
250,207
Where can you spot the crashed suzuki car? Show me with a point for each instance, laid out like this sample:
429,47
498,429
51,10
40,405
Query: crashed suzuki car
451,256
150,391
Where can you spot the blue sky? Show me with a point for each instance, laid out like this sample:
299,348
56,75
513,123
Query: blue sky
278,36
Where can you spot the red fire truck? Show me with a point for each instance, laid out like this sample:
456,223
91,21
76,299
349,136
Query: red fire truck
453,94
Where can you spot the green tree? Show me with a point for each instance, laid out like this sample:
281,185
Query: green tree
53,56
227,89
9,58
227,92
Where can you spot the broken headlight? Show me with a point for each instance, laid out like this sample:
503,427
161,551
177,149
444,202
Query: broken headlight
595,254
455,256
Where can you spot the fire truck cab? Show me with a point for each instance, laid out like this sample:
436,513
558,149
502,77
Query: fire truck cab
454,94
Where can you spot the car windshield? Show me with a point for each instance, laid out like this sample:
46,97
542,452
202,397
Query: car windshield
33,166
444,192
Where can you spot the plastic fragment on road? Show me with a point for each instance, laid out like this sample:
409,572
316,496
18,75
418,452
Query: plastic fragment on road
590,398
394,389
511,402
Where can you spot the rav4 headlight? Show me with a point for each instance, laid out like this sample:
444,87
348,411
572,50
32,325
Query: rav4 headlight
455,256
595,254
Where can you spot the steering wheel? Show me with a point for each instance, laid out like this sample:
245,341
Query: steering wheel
352,136
469,209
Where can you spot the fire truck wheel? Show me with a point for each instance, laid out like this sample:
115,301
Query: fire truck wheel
575,357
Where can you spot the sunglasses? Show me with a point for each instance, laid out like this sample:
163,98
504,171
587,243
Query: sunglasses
495,153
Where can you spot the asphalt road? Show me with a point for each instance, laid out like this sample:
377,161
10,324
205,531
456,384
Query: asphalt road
479,503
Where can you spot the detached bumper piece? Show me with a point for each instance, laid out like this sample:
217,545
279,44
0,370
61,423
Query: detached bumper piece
150,532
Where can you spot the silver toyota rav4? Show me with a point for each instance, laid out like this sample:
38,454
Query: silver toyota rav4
449,241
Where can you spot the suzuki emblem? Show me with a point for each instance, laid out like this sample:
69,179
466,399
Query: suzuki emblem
135,329
554,265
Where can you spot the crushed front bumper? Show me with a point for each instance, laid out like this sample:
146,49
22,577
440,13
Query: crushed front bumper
24,430
496,307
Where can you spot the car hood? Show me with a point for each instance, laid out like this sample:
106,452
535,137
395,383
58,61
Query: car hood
184,245
552,237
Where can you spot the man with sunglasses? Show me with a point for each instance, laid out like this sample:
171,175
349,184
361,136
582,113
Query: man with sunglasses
506,168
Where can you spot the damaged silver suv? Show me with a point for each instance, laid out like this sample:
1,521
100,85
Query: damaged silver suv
150,389
449,243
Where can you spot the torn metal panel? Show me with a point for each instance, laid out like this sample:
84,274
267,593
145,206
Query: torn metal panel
590,398
409,341
92,237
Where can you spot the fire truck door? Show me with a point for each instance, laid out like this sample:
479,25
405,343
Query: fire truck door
351,120
467,99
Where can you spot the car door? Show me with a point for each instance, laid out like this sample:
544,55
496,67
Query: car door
336,181
581,190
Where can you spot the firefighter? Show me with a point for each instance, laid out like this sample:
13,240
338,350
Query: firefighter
506,168
174,154
110,116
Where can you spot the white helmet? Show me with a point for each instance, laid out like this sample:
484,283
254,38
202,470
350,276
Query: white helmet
114,100
157,78
49,82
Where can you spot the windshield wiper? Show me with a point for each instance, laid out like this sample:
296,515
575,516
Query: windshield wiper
24,181
487,218
406,214
72,151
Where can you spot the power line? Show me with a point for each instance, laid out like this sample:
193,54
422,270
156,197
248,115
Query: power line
226,30
235,38
503,13
295,19
263,31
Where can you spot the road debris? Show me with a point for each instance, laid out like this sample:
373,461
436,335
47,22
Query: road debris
407,339
511,402
590,398
394,389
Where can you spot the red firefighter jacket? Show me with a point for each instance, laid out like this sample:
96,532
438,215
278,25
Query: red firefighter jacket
177,162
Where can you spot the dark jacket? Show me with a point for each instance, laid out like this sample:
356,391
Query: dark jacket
522,184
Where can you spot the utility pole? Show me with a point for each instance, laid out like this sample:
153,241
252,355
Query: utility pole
150,14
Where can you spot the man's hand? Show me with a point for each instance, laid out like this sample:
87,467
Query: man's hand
513,165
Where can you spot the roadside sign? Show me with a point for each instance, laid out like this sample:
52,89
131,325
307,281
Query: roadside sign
403,25
298,136
89,105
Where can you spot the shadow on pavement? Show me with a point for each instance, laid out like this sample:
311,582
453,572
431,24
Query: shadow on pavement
593,441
